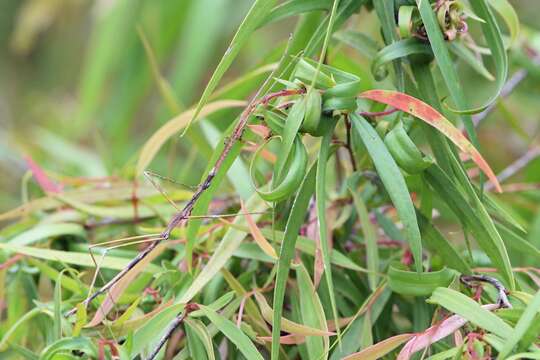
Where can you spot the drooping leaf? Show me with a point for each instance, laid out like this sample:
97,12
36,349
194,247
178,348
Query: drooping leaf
431,116
472,311
242,342
394,183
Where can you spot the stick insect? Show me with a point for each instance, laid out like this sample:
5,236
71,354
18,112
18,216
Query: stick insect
152,239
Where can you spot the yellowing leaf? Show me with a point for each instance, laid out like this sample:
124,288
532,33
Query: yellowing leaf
428,114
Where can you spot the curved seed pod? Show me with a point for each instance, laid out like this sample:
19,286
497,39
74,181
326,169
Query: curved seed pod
340,103
405,152
293,177
347,89
312,117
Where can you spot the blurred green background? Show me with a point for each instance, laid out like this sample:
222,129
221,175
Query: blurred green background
77,94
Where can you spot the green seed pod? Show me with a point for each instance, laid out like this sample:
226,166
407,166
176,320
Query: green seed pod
294,173
348,89
340,103
275,121
405,152
312,118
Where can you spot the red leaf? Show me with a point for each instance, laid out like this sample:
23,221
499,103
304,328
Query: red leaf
42,179
432,117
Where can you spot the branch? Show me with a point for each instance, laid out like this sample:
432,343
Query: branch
184,214
173,325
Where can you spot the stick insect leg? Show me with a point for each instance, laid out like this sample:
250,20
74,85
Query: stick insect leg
152,238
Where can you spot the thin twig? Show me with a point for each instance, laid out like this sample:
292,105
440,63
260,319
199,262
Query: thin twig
184,215
173,325
348,144
378,113
502,300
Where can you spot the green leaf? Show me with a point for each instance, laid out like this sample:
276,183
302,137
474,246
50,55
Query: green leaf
45,231
234,334
57,323
197,331
258,12
418,284
439,245
466,307
75,258
522,327
295,7
373,305
320,197
475,219
369,231
294,222
445,63
224,251
397,50
312,314
508,14
393,182
82,344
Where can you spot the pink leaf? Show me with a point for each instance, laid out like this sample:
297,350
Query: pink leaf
42,179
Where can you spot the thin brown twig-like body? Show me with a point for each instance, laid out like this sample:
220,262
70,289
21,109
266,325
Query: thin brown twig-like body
173,325
184,214
348,144
502,297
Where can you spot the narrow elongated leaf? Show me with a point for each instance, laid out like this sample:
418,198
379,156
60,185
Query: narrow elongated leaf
295,221
466,307
312,314
369,231
393,182
295,7
306,245
432,117
242,342
433,334
508,14
423,284
477,221
202,333
46,231
112,296
320,198
380,349
522,326
258,12
75,258
397,50
257,235
173,126
445,63
287,325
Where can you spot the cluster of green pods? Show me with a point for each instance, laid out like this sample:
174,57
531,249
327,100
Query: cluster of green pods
327,94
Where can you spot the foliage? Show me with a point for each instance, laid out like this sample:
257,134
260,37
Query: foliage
344,205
